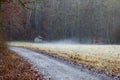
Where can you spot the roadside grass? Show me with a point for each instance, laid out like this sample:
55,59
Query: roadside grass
105,58
13,67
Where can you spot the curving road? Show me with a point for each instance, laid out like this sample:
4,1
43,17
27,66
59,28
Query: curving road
55,69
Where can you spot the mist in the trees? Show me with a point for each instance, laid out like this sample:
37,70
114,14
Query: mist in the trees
88,21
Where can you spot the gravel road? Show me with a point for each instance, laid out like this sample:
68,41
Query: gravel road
55,69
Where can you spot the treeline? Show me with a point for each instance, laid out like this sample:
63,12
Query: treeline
89,21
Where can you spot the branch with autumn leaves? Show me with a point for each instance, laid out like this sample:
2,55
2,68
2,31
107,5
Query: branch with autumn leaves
21,2
6,5
15,3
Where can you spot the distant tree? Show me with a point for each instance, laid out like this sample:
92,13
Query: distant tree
2,35
116,35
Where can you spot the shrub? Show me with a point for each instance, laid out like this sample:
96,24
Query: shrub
3,45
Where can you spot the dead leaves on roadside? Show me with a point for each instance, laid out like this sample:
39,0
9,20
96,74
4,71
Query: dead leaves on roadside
13,67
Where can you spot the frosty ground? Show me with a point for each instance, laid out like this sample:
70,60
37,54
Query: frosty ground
101,57
56,70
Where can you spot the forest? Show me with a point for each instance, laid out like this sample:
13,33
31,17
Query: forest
59,39
88,21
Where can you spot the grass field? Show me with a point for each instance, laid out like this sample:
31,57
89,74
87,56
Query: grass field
100,57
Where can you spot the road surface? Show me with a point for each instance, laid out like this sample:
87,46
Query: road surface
55,69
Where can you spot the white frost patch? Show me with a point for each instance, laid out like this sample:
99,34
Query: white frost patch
103,51
56,70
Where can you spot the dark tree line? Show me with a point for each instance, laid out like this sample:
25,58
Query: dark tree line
89,21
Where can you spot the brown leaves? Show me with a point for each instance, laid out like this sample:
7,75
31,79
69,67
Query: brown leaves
13,67
7,1
115,71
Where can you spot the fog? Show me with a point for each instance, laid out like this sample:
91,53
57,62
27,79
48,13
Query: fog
66,41
88,21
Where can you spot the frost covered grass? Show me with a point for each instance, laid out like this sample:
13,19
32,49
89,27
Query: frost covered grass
101,57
